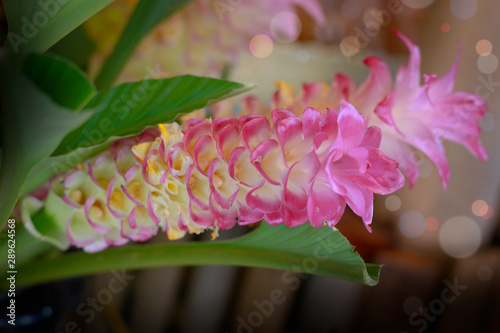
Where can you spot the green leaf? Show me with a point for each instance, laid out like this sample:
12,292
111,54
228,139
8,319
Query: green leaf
47,220
64,82
76,47
37,25
32,127
146,16
301,249
52,165
200,92
131,107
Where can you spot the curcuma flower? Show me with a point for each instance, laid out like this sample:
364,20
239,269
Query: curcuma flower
211,174
202,38
411,117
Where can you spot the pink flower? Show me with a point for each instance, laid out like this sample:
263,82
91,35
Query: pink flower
295,171
217,173
410,116
421,116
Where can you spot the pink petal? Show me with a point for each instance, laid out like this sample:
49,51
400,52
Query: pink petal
312,122
194,133
204,147
263,199
408,78
228,140
324,205
351,126
271,172
151,211
109,192
254,131
197,201
377,84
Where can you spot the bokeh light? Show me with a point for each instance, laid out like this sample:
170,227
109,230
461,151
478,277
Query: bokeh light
489,213
482,209
261,46
412,224
460,237
463,9
392,203
484,47
431,223
303,56
445,27
484,273
479,207
417,4
487,64
285,27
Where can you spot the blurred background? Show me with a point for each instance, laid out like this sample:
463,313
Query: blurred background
440,248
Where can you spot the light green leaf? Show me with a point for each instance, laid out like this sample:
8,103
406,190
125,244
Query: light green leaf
37,25
302,249
131,107
146,16
46,220
32,127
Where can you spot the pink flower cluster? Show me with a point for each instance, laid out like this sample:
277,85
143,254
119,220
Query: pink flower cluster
299,160
216,173
296,170
412,117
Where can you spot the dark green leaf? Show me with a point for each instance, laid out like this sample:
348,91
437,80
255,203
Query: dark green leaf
37,25
32,127
131,107
302,249
76,47
65,83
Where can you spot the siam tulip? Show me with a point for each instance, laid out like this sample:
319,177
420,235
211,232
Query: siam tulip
202,38
410,116
216,173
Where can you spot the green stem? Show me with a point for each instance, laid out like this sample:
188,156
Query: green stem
146,16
